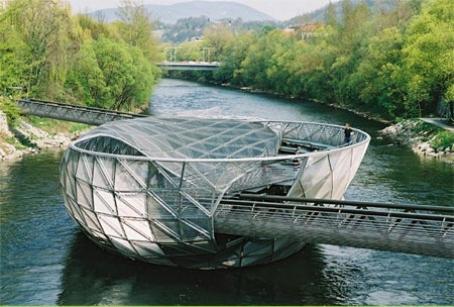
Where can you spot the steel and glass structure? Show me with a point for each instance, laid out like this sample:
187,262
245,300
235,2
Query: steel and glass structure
150,188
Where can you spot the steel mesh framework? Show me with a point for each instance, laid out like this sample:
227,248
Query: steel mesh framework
149,188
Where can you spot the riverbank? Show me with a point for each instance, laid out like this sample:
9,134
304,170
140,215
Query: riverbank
362,114
425,139
30,135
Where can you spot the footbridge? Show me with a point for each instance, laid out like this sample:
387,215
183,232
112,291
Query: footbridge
73,113
425,230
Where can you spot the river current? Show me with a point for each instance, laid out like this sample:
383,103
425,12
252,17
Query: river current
45,259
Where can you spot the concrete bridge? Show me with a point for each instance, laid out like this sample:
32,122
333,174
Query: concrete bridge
185,66
426,230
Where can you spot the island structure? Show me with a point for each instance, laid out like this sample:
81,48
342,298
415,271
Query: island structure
150,188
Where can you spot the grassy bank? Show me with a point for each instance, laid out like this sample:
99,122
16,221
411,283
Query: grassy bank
425,139
30,134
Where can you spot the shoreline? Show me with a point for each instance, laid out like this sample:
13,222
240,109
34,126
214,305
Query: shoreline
27,138
421,137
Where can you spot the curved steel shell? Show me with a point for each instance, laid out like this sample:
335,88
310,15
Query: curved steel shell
149,188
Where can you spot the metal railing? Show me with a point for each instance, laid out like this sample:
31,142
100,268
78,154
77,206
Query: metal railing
427,230
74,113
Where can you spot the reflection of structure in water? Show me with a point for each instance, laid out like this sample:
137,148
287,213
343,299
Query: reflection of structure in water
93,277
149,188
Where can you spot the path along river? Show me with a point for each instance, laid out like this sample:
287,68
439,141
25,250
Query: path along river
46,260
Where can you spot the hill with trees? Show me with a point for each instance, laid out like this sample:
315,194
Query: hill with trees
170,14
318,15
193,28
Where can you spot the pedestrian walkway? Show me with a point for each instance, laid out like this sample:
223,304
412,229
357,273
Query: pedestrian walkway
439,123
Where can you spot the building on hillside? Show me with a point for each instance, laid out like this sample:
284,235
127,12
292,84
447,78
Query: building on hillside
305,31
309,30
289,31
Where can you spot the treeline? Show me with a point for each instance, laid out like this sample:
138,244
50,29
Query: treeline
397,62
47,52
192,28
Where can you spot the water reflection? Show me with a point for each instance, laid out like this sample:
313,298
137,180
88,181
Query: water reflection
92,276
35,229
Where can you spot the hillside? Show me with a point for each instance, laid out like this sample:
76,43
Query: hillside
213,10
319,15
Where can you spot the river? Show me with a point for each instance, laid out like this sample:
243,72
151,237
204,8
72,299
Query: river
45,259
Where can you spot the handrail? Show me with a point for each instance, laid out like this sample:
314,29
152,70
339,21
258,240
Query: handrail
274,198
299,207
71,106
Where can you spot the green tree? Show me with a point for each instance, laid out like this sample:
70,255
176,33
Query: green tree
429,55
45,27
14,59
56,55
136,28
86,79
379,75
127,75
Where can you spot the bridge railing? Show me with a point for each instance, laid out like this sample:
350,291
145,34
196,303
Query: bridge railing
74,113
205,54
427,230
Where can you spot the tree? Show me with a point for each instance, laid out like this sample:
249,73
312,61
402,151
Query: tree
429,51
86,79
379,75
56,55
136,28
218,37
45,27
14,59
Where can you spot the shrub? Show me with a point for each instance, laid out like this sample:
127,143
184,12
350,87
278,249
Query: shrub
442,140
9,107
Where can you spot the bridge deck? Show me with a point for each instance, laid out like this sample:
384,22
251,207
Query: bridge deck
207,66
426,230
74,113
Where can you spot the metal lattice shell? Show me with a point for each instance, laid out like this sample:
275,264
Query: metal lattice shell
149,188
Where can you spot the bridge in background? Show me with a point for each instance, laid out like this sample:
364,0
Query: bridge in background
203,63
427,230
202,66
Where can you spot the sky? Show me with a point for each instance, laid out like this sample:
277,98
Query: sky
279,9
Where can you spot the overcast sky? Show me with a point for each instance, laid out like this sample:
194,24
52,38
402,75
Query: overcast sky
279,9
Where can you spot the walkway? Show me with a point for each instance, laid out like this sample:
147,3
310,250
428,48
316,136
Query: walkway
439,122
425,230
73,113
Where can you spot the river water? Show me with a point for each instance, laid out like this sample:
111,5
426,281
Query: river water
46,260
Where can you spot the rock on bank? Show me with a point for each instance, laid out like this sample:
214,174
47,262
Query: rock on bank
24,138
425,139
